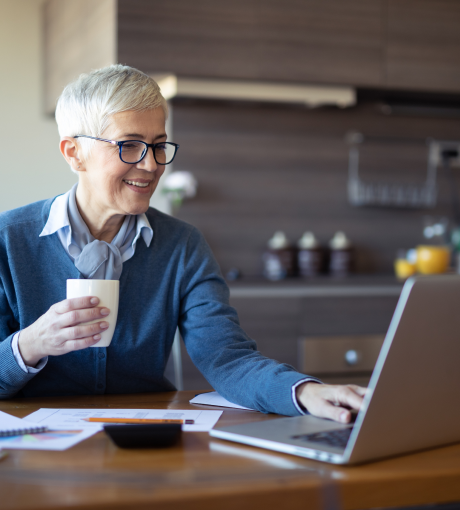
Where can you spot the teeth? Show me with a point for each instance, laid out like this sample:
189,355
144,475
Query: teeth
138,184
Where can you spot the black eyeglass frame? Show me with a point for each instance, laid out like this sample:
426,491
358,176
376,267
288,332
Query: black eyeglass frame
147,145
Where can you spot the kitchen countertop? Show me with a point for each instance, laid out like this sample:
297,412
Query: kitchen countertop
321,286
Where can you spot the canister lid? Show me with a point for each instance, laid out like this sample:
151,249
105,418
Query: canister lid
339,241
308,241
278,241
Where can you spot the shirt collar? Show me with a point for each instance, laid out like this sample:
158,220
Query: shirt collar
144,228
59,219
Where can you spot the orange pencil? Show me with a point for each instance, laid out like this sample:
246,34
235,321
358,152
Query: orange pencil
137,420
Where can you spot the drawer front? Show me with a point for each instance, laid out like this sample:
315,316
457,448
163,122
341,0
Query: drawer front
339,354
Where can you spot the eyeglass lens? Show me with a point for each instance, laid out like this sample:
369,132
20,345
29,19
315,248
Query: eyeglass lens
132,152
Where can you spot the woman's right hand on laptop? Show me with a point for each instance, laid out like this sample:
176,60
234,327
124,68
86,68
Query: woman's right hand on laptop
330,400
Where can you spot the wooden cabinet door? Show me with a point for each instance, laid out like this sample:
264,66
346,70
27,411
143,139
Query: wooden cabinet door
322,41
423,45
200,38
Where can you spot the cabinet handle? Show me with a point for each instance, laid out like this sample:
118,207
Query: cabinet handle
352,357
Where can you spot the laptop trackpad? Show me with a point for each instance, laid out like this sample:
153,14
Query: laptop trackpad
300,430
312,432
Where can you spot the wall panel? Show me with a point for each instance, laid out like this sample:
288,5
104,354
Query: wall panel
266,168
78,37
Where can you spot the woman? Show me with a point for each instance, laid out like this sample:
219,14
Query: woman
112,128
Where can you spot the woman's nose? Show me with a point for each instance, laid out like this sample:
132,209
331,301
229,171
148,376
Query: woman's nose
148,163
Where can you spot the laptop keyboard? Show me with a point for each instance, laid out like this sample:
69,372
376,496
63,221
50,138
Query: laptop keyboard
338,438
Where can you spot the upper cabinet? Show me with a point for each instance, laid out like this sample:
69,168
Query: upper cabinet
315,41
423,45
399,44
204,38
321,41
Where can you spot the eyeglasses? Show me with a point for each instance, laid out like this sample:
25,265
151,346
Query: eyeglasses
133,151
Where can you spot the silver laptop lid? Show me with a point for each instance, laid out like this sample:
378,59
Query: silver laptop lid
414,393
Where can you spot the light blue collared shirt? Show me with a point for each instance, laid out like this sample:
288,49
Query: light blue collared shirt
59,223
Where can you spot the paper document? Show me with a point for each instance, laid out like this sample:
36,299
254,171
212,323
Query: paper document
74,418
214,399
56,440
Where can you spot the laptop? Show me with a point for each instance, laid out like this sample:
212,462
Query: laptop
413,401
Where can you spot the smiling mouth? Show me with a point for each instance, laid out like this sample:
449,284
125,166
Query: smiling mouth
138,184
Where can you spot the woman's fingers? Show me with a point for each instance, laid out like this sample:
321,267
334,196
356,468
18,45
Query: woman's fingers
82,343
325,409
74,317
75,304
63,328
358,389
331,401
342,396
84,331
81,337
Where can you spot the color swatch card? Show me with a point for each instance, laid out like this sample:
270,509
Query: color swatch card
23,434
56,440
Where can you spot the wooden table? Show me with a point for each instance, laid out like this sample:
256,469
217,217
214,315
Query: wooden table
203,473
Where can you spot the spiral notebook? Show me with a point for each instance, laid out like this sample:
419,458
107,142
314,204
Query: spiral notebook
12,426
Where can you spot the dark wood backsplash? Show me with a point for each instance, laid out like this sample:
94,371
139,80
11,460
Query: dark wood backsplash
263,168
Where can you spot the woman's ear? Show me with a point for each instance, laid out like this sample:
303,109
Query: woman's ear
71,152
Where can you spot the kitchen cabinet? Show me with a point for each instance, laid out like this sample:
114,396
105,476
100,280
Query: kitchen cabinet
340,358
321,41
423,45
278,320
402,44
204,38
408,44
318,41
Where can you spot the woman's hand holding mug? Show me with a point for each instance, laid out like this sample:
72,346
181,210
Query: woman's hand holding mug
61,329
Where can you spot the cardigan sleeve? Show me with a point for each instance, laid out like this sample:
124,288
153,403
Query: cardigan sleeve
218,346
12,377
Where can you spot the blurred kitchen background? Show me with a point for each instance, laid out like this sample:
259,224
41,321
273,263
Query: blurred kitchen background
272,103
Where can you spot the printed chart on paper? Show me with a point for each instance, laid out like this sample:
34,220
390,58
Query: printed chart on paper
75,418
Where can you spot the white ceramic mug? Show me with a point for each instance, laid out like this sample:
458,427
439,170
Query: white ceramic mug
108,292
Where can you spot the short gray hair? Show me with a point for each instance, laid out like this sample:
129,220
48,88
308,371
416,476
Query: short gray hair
86,105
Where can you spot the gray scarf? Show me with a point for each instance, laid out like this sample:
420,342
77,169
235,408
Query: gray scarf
96,259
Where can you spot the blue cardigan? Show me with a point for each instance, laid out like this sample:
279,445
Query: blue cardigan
176,281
